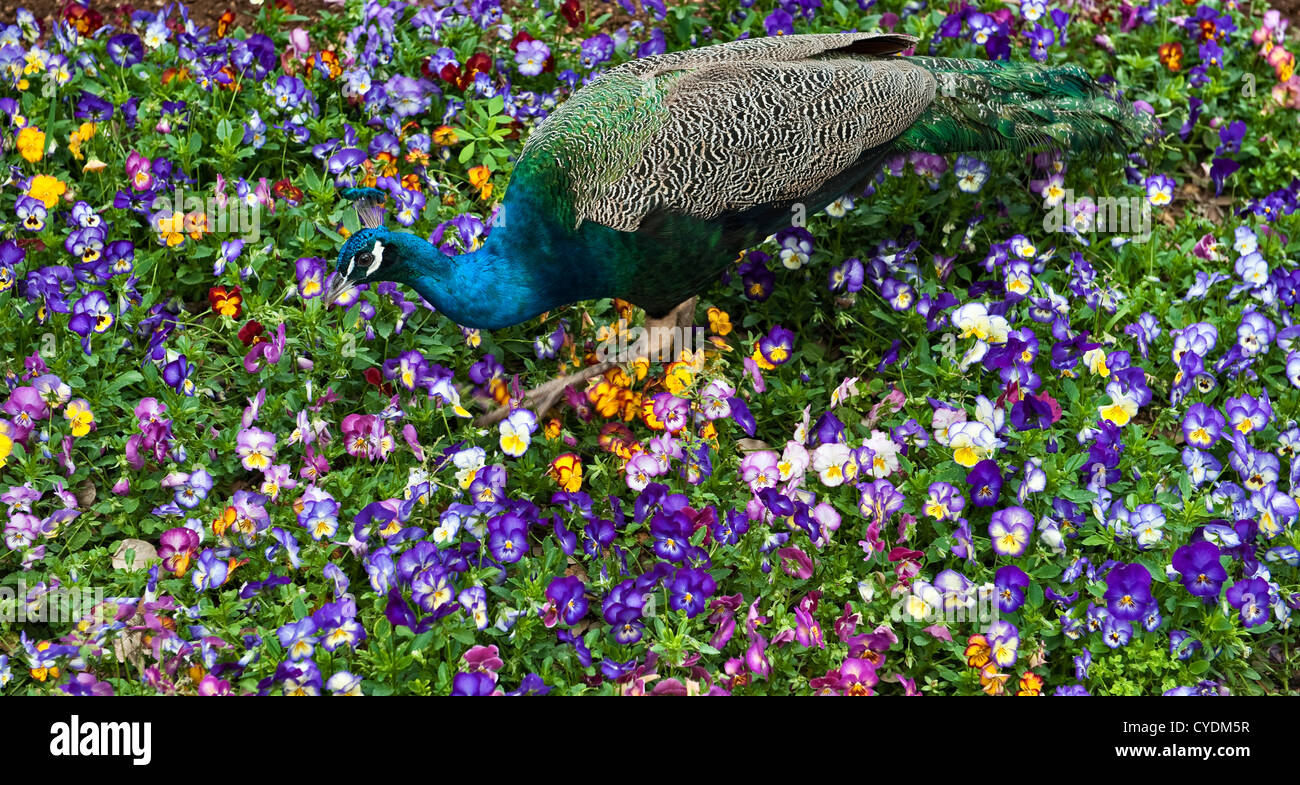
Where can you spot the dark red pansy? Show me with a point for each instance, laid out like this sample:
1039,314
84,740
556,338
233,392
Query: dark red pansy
520,37
252,333
573,13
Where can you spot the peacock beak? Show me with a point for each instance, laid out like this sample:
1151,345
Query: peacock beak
338,287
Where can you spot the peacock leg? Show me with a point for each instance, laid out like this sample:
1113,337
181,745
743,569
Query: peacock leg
662,335
686,319
541,398
659,345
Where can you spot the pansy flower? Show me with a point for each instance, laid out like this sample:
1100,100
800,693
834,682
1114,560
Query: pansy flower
1010,530
30,213
1255,333
1146,524
899,294
256,448
944,501
1160,187
1199,567
690,590
977,651
432,589
955,588
566,601
79,416
1123,406
318,513
714,398
473,600
139,171
971,442
640,470
834,464
985,481
670,410
776,347
1128,591
857,676
311,276
1247,413
176,547
177,375
193,488
516,432
847,276
566,470
263,350
1250,596
1004,643
210,571
796,247
971,174
760,470
879,500
1202,425
1116,632
226,302
1010,582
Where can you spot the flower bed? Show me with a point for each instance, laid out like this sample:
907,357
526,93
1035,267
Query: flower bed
998,425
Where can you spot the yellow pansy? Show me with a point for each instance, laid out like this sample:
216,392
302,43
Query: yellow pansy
47,189
31,144
79,414
566,469
719,321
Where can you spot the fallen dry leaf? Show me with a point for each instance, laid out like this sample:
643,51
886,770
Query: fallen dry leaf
86,493
144,553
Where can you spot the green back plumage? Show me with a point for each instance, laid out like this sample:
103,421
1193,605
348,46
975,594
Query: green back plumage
574,148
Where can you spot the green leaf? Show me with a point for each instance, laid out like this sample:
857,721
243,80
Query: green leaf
80,538
124,379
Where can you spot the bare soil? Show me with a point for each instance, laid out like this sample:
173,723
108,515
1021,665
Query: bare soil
203,12
1290,9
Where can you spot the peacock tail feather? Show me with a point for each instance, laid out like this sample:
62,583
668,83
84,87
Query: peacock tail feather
983,106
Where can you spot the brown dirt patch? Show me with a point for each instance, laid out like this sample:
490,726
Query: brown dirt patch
203,12
1290,9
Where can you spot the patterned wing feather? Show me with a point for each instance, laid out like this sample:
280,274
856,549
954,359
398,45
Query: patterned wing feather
743,135
722,129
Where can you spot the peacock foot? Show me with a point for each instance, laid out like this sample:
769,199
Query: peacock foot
662,340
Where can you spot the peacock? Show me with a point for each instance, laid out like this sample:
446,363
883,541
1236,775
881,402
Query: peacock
647,183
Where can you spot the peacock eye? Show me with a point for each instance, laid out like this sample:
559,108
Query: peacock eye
365,258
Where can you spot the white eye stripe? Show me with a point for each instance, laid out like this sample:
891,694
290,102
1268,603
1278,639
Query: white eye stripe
378,253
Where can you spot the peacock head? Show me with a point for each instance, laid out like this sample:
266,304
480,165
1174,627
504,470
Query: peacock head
463,288
366,257
378,254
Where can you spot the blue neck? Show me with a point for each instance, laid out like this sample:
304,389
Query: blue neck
483,289
527,266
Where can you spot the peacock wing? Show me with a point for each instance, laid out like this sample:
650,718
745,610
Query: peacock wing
725,129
